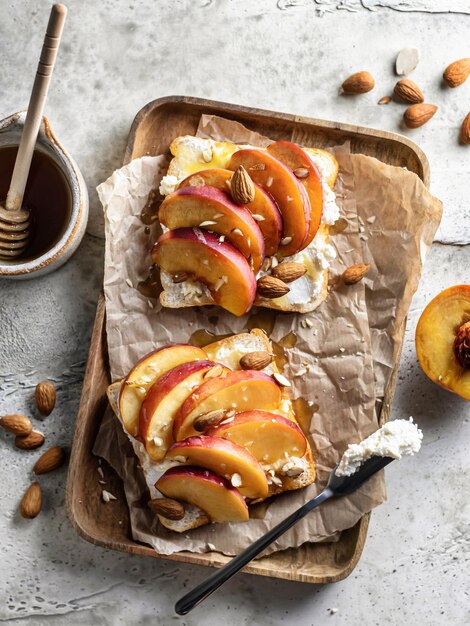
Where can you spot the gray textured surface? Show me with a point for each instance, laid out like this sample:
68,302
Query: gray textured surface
116,56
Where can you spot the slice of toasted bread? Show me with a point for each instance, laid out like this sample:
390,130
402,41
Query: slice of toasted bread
227,351
192,154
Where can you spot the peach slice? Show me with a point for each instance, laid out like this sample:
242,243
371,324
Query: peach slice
289,195
204,489
238,391
263,208
164,399
218,265
211,209
268,436
144,373
306,171
443,340
227,459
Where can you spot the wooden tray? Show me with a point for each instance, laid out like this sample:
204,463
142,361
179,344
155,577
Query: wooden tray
151,133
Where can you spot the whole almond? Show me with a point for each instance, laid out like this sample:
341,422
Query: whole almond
31,502
360,82
16,424
167,507
271,287
242,187
289,271
256,360
418,114
180,277
465,130
51,460
45,397
457,72
208,420
408,91
355,273
30,442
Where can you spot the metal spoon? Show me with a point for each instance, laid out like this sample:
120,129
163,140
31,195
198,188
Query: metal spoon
337,486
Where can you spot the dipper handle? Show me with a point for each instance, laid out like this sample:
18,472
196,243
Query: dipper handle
36,107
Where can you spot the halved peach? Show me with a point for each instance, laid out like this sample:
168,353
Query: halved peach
213,494
144,373
238,391
218,265
268,436
211,209
443,340
227,459
306,171
164,398
263,208
289,195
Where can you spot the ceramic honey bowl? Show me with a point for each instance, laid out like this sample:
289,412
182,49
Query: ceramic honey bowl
56,195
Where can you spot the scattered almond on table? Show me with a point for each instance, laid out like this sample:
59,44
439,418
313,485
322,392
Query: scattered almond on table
360,82
45,397
31,503
49,461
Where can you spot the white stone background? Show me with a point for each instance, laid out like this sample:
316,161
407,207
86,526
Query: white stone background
288,55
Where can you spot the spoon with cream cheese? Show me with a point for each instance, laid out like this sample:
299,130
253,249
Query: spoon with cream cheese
359,463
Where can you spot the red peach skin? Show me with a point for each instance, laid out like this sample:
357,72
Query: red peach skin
144,373
263,207
211,209
204,489
226,459
295,158
218,265
289,195
238,391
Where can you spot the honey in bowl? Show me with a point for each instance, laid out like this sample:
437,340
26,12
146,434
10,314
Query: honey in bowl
47,196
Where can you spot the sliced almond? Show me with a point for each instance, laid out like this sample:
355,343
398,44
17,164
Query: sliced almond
256,360
289,271
406,61
270,287
167,508
384,100
301,172
355,273
281,380
214,372
17,424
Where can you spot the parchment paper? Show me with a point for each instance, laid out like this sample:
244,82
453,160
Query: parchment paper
386,212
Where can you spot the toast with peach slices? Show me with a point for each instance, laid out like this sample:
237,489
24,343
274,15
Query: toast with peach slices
219,241
210,434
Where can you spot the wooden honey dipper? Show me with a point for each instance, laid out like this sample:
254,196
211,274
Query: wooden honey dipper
14,218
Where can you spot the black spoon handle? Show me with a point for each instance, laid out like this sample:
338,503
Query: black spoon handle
218,578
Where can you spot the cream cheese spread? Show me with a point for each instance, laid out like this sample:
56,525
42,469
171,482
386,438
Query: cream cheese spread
395,439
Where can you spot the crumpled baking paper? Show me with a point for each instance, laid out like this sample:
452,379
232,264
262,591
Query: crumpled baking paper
388,218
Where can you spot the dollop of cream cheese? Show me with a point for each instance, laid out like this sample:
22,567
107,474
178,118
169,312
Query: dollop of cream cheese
395,439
